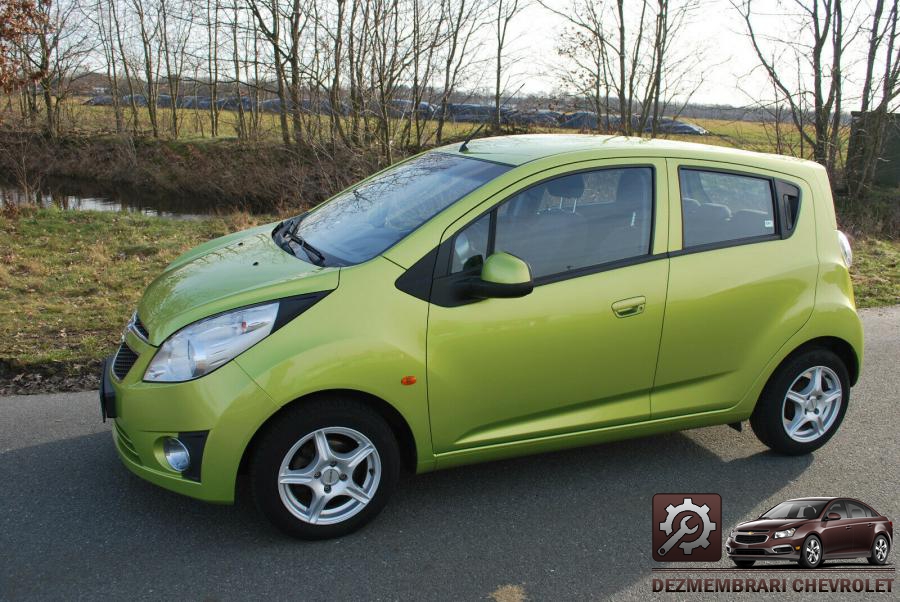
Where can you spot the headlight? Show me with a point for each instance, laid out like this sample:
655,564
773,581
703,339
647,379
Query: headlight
203,346
785,533
846,251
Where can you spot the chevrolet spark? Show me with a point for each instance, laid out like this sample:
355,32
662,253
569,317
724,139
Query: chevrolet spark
511,296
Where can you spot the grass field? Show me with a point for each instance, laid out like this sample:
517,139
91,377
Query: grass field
195,124
69,280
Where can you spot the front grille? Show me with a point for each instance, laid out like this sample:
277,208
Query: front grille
125,359
750,538
739,552
139,326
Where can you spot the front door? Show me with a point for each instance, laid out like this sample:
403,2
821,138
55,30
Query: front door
579,352
837,535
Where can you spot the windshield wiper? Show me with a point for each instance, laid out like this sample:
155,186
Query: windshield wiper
289,233
285,234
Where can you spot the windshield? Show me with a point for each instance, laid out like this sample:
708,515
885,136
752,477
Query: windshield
797,509
363,222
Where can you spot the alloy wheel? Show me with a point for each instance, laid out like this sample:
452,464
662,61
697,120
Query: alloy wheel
881,549
329,475
812,404
812,551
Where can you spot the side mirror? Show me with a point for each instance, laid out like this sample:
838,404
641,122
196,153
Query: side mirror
503,276
833,516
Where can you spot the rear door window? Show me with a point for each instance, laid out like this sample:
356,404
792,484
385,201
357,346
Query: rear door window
719,207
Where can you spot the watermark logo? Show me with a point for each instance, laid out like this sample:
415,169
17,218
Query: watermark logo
687,527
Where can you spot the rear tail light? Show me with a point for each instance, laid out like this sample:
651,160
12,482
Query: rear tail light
846,251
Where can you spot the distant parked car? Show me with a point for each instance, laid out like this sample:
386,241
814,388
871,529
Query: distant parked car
231,103
580,120
812,530
138,99
195,102
473,113
673,126
271,105
99,101
164,101
402,108
540,118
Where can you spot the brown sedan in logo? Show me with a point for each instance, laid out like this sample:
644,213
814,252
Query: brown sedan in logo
812,530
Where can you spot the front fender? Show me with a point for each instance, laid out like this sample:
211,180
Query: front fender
365,336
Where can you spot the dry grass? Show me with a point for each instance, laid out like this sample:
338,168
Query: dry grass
68,280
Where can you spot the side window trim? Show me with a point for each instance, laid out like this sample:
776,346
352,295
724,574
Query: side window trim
444,263
783,209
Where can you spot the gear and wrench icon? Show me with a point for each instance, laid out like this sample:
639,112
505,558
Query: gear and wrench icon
687,506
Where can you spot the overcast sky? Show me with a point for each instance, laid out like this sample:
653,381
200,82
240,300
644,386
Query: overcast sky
716,31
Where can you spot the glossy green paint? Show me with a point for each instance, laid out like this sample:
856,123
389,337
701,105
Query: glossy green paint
557,368
503,268
233,271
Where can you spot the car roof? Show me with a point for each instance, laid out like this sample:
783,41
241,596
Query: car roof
521,149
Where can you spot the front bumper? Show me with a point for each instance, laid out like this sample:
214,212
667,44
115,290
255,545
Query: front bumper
786,548
226,406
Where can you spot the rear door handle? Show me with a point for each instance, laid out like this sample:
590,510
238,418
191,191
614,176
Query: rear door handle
629,307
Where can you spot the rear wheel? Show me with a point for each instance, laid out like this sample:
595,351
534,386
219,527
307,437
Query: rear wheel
743,564
811,553
803,404
325,468
881,547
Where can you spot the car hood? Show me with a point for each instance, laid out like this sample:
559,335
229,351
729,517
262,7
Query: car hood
770,524
225,273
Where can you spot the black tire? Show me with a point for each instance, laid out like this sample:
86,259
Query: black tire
873,559
291,427
805,555
743,564
766,419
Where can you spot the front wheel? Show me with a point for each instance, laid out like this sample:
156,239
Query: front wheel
803,404
811,553
880,550
325,468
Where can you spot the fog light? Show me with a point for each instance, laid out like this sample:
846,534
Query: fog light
176,454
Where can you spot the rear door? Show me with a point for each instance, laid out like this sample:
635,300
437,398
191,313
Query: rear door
863,523
742,281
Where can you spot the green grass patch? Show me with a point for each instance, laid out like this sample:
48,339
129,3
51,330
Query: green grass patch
69,280
876,272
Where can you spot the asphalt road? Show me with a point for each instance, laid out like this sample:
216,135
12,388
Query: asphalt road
75,524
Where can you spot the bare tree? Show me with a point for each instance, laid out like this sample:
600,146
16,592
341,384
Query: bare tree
879,95
824,23
620,63
504,12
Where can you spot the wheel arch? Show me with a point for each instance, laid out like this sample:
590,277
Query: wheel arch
398,424
841,348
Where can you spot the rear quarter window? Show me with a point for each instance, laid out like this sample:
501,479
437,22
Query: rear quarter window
719,207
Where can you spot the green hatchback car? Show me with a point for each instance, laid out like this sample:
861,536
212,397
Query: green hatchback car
512,296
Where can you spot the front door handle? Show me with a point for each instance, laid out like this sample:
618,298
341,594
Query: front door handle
846,527
629,307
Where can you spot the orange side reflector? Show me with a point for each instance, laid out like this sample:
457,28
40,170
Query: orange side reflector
408,380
